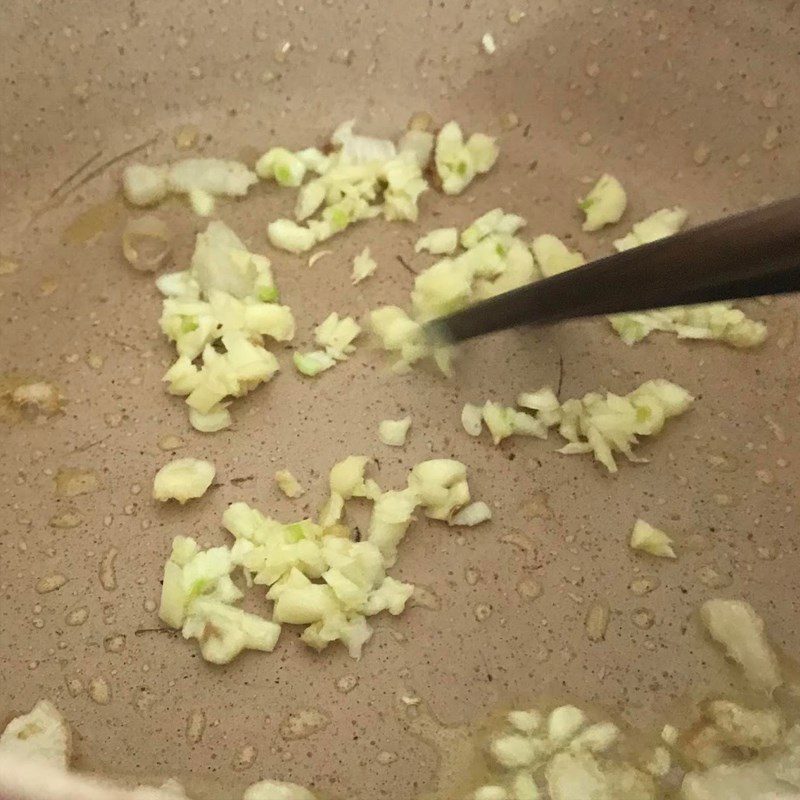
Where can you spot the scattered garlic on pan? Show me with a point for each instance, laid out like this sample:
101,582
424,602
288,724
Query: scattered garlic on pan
316,573
574,759
227,297
651,540
183,479
593,424
711,321
144,185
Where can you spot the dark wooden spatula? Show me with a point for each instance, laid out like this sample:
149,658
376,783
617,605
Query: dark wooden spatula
750,254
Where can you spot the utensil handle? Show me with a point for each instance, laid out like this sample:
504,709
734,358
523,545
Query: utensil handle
753,253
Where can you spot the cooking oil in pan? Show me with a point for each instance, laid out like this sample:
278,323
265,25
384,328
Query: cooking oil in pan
97,219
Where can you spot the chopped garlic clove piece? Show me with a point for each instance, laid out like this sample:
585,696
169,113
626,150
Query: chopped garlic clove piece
605,204
41,733
202,202
143,185
288,484
440,241
216,419
737,627
311,364
457,162
658,225
183,479
472,419
526,722
553,256
288,235
337,335
473,514
393,432
514,751
564,723
651,540
364,265
277,790
285,167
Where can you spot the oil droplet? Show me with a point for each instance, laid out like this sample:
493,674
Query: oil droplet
538,507
302,724
711,577
424,597
529,589
50,583
347,683
108,575
114,644
74,482
195,726
245,758
472,576
644,585
65,521
94,221
170,442
78,616
643,618
99,691
144,700
7,266
509,121
597,618
701,154
520,540
454,745
186,137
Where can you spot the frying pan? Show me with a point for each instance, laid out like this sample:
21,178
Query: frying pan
691,104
